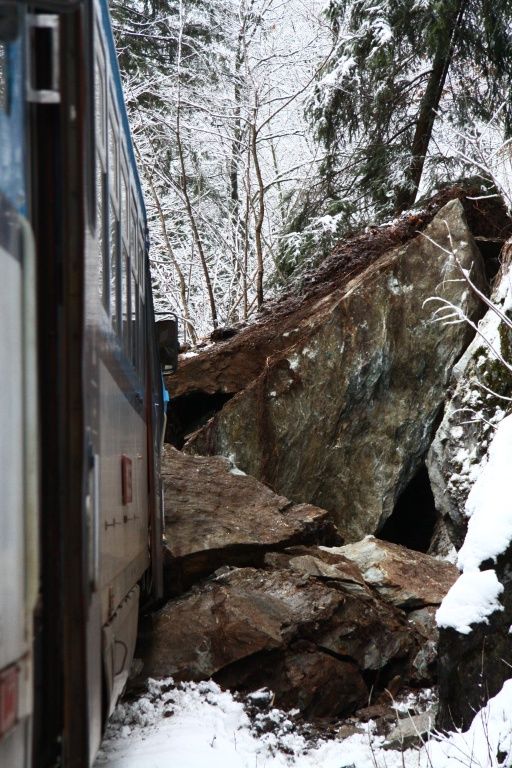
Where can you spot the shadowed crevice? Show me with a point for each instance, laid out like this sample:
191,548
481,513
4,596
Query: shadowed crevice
414,516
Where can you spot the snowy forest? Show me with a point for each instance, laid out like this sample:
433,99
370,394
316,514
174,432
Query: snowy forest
268,129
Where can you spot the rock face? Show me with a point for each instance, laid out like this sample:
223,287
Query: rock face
331,400
300,633
357,392
405,578
480,385
474,666
215,515
474,661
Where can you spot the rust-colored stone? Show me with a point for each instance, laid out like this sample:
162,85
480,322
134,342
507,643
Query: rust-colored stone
215,515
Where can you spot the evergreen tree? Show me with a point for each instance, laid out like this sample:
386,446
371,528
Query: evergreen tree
148,32
396,63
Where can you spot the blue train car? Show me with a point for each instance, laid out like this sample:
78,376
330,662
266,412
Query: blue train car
81,412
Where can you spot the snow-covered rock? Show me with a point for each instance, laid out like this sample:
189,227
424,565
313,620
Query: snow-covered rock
481,385
475,650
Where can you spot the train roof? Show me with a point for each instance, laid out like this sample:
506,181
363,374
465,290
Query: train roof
106,24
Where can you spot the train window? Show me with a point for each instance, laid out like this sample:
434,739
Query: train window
142,339
113,159
127,302
135,322
142,267
133,242
115,276
124,207
3,77
100,106
102,233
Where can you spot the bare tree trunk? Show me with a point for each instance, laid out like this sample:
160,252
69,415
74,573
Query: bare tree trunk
237,222
163,225
193,224
260,213
279,185
246,233
406,196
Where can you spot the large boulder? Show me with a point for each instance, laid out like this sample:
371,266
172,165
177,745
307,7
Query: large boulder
216,515
407,579
358,391
410,580
244,624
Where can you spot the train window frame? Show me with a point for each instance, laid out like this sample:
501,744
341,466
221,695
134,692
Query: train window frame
126,301
103,236
100,103
115,273
134,320
125,209
113,148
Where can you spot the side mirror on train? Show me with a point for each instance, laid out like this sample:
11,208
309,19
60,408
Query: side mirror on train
168,344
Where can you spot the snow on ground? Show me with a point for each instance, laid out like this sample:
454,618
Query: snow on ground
197,725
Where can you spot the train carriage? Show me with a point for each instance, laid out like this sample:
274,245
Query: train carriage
81,413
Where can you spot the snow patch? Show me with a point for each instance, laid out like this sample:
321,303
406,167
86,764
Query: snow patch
234,470
294,362
196,725
472,598
489,504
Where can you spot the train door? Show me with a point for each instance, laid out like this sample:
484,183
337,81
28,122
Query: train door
64,734
18,410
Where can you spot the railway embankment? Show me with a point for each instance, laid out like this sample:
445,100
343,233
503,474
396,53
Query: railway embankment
324,474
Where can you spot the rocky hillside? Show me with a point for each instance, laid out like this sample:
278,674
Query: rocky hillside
324,470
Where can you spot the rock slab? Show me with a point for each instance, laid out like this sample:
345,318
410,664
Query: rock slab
404,577
215,515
